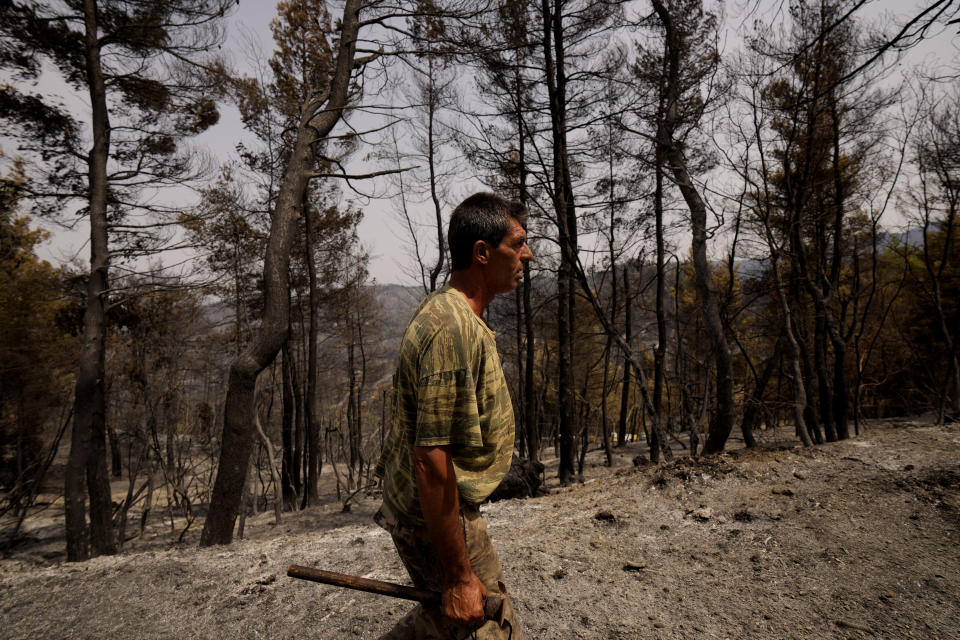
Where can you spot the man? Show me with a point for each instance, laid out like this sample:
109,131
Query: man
451,437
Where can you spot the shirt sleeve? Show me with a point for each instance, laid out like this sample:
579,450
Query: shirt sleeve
447,412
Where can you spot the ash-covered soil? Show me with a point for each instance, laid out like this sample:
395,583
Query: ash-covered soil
856,539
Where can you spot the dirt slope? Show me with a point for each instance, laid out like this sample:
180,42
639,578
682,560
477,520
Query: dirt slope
847,540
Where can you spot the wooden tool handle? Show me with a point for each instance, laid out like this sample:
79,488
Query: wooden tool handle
492,605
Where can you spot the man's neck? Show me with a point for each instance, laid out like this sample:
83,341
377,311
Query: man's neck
471,286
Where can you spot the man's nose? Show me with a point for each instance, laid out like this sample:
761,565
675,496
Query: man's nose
526,254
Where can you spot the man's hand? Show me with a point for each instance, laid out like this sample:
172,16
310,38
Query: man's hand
463,593
463,602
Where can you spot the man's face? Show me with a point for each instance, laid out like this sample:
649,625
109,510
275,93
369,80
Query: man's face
506,260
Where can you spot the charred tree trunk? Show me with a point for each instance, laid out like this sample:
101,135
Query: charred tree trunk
659,354
531,418
520,424
840,391
935,267
312,404
794,351
565,390
116,460
290,468
746,427
240,404
301,447
751,412
642,380
721,422
810,412
87,465
800,337
800,414
438,214
351,414
563,206
603,402
627,371
611,179
274,473
825,393
318,117
170,431
358,430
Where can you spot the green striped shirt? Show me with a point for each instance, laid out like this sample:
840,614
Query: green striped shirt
449,389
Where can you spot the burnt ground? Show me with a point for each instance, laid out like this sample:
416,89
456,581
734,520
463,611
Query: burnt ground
857,539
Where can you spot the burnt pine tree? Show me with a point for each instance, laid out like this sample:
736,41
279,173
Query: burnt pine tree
504,51
433,90
572,39
321,108
680,20
270,107
937,201
143,68
562,25
302,31
827,140
648,71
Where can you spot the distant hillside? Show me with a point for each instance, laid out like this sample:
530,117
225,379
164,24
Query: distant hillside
396,306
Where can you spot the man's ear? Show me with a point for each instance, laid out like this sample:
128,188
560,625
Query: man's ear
481,252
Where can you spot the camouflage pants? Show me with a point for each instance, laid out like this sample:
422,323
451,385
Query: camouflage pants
416,552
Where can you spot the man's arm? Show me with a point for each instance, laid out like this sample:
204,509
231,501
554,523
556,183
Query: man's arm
463,593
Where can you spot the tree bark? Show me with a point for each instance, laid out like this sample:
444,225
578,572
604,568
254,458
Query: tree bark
824,392
531,418
312,404
642,380
840,390
318,118
290,468
659,354
935,267
520,422
793,348
240,405
746,427
751,411
359,402
799,404
441,244
563,205
627,335
88,442
277,491
302,446
721,422
351,413
611,179
608,455
116,460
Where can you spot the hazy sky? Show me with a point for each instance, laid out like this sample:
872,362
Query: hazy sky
380,230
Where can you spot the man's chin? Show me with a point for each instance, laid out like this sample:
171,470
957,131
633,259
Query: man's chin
511,287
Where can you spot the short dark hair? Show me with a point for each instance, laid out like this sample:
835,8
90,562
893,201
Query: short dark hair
483,216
